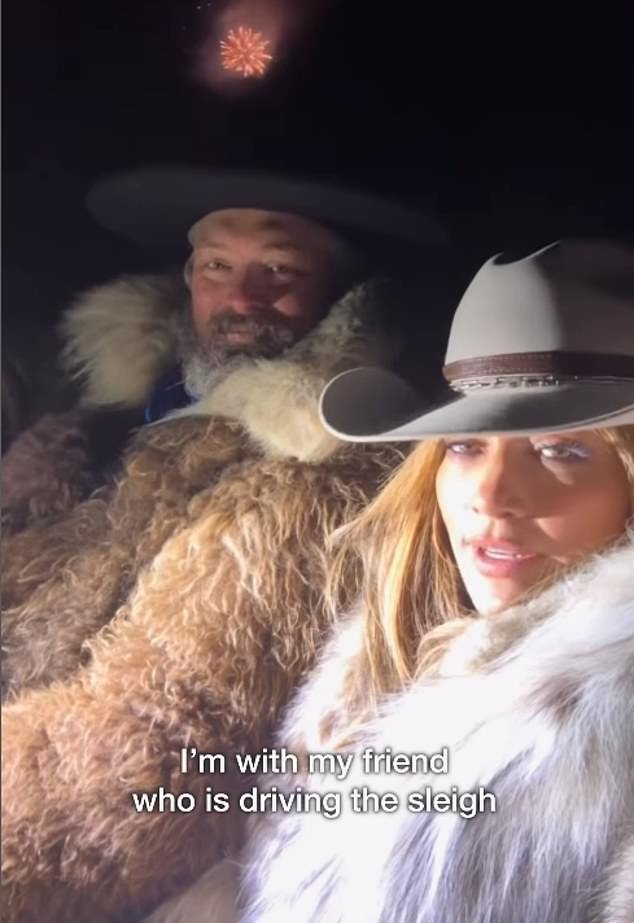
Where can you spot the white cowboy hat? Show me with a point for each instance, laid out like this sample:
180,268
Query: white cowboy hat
542,343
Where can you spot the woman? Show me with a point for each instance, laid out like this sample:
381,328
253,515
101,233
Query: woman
495,635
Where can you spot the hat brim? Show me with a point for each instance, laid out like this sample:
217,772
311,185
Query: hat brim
373,405
156,207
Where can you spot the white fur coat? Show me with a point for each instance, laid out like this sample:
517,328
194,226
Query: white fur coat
536,706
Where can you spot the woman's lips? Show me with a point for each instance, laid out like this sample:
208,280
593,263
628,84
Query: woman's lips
498,561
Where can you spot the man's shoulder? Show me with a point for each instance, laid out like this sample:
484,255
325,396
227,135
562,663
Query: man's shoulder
204,449
119,338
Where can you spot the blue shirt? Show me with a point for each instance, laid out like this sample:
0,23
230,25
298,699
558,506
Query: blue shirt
169,394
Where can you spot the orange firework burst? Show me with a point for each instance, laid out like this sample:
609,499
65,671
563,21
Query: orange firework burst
244,51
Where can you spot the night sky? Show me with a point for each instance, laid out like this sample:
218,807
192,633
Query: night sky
514,127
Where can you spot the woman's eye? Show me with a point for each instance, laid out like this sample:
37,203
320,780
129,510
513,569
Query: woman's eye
564,451
214,266
461,448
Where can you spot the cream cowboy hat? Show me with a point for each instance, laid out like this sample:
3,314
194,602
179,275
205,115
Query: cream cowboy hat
541,343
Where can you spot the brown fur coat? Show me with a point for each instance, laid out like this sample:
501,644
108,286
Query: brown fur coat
117,339
177,607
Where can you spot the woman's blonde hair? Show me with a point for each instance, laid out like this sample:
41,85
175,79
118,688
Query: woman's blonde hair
406,574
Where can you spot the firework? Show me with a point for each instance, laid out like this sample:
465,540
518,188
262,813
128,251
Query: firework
244,51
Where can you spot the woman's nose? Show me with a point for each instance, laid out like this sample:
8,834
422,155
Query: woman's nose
497,490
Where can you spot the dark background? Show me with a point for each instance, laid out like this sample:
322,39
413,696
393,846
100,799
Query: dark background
514,126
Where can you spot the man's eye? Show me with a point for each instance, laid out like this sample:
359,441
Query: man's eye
215,266
281,269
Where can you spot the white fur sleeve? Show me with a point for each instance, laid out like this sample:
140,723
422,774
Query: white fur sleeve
270,871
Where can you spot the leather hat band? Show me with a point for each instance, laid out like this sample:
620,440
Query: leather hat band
560,365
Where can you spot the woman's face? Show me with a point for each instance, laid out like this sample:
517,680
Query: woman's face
515,508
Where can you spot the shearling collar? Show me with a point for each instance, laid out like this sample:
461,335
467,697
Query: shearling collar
120,338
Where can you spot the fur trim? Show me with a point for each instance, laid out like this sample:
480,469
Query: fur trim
617,903
277,401
119,338
536,708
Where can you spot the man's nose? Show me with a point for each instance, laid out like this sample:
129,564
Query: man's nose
247,295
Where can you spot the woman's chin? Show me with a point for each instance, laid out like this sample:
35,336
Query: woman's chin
492,592
490,595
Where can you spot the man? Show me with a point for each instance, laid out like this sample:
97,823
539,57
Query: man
259,282
125,341
175,609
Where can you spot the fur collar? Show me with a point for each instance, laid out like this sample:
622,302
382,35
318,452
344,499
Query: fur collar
535,705
120,338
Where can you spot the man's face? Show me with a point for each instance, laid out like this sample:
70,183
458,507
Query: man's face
259,280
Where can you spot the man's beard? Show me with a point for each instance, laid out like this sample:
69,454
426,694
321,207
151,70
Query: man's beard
208,359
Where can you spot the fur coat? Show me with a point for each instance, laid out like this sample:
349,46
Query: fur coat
116,341
177,607
534,706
